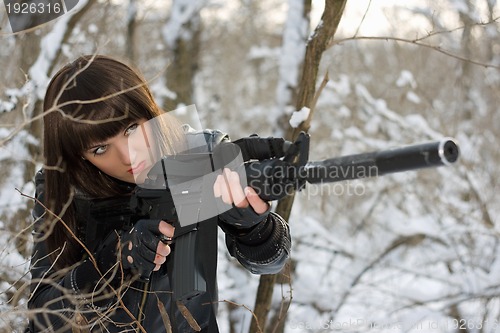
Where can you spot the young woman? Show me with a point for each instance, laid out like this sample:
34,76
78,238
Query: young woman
116,279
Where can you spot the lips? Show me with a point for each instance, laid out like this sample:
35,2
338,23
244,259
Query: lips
138,169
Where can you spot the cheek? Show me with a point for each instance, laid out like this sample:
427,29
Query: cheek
142,142
103,164
150,141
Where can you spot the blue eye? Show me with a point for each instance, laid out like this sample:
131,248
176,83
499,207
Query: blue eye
100,150
131,129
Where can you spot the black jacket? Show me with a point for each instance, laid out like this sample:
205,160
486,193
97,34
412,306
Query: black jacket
56,300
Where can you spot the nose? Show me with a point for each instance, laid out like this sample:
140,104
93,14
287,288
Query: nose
126,153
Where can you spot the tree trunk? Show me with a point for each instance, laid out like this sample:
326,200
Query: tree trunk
131,27
183,42
465,81
318,43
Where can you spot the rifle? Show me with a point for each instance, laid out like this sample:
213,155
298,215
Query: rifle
289,170
274,168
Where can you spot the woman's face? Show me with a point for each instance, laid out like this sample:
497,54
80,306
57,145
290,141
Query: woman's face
128,156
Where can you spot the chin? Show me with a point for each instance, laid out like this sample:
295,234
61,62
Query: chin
139,179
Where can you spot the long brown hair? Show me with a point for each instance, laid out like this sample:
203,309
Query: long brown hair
88,101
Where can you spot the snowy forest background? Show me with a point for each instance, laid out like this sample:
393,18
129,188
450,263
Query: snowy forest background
409,252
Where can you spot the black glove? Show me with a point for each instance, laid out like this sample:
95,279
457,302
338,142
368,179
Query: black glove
139,243
138,247
240,218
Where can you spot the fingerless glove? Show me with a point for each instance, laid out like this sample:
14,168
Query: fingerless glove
130,251
242,218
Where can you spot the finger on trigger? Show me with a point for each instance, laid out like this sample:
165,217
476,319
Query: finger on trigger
217,186
225,190
239,198
259,206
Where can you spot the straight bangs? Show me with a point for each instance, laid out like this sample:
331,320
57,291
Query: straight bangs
94,123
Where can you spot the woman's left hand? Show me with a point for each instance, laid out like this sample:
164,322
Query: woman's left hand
228,187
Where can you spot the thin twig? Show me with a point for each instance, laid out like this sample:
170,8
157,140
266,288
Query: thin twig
418,43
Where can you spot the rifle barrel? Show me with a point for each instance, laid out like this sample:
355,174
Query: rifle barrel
378,163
